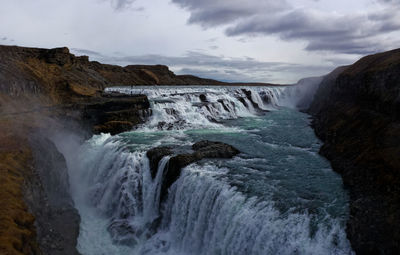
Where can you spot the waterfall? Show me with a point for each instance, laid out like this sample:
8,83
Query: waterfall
276,197
205,107
119,185
203,213
152,192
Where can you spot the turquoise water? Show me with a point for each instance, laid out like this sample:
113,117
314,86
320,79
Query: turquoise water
278,196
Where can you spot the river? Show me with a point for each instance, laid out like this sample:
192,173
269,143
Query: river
278,196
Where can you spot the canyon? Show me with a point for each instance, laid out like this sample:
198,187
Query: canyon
48,92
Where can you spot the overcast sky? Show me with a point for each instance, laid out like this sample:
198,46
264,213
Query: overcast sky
277,41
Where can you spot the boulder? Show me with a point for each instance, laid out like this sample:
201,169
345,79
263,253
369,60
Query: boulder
201,150
209,149
203,98
155,155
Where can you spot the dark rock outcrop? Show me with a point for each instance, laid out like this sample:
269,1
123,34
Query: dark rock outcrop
203,98
114,114
209,149
357,114
155,155
201,150
251,101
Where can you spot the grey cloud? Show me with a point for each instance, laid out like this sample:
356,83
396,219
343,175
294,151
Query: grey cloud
86,52
211,40
342,34
243,40
348,46
389,1
348,34
217,12
222,68
120,5
223,75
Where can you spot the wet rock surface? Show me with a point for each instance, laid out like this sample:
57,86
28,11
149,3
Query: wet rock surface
200,150
114,113
203,98
155,155
47,195
357,115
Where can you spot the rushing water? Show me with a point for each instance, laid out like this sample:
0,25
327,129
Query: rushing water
277,197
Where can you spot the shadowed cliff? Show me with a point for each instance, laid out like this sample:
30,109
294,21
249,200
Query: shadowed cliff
357,115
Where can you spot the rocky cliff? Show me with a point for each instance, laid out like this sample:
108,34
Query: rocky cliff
357,114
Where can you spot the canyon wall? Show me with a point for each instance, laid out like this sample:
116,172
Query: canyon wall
357,115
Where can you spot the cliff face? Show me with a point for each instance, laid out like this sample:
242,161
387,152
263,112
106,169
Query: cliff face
357,115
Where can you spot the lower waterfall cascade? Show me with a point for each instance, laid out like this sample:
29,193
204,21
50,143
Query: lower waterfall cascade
278,196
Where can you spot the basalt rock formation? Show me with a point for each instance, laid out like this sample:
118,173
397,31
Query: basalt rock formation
200,150
357,115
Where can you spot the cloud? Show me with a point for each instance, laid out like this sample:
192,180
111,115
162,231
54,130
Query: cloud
5,39
86,52
223,68
357,33
354,34
121,5
389,1
217,12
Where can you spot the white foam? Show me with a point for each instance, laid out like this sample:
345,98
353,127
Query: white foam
208,216
181,107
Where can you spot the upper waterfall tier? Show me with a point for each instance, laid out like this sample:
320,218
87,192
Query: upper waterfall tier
200,107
